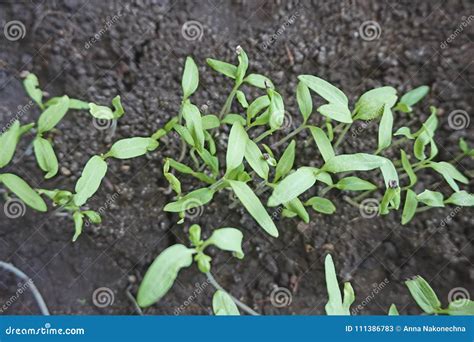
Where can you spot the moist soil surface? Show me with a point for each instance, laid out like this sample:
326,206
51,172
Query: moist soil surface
94,50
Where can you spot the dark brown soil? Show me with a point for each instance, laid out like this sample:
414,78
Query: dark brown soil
140,56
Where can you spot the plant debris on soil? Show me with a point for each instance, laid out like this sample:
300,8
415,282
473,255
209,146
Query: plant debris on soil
95,50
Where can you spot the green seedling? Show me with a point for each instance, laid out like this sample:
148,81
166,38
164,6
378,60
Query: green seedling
428,301
164,270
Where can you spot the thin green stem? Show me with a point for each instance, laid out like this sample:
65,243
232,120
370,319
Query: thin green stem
263,135
228,102
289,136
342,135
244,307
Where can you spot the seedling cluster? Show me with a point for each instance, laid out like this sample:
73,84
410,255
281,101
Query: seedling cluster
248,160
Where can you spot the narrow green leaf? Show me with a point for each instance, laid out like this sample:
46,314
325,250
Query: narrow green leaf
415,95
371,104
93,216
240,95
409,209
253,205
24,192
194,124
292,186
162,273
461,307
431,198
259,104
259,81
131,148
184,133
224,68
243,64
298,208
78,224
408,169
90,180
227,239
53,114
31,85
118,109
194,199
405,131
325,89
461,198
353,183
450,174
285,164
323,143
336,112
223,305
230,119
45,157
305,103
385,129
190,80
254,157
101,112
276,109
393,310
210,122
322,205
236,146
8,142
423,294
334,305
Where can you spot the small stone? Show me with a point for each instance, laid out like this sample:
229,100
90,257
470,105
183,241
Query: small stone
65,171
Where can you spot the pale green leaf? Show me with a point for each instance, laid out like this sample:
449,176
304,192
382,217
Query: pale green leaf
90,180
224,68
431,198
236,146
53,114
78,224
227,239
8,143
24,192
293,185
131,148
385,129
450,174
296,207
371,104
322,205
162,273
254,157
253,205
259,81
323,143
305,103
223,305
353,183
194,199
461,198
45,157
190,80
409,209
286,161
334,305
31,85
415,95
423,294
408,169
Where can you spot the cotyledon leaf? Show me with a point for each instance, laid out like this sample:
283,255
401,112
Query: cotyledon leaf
90,180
